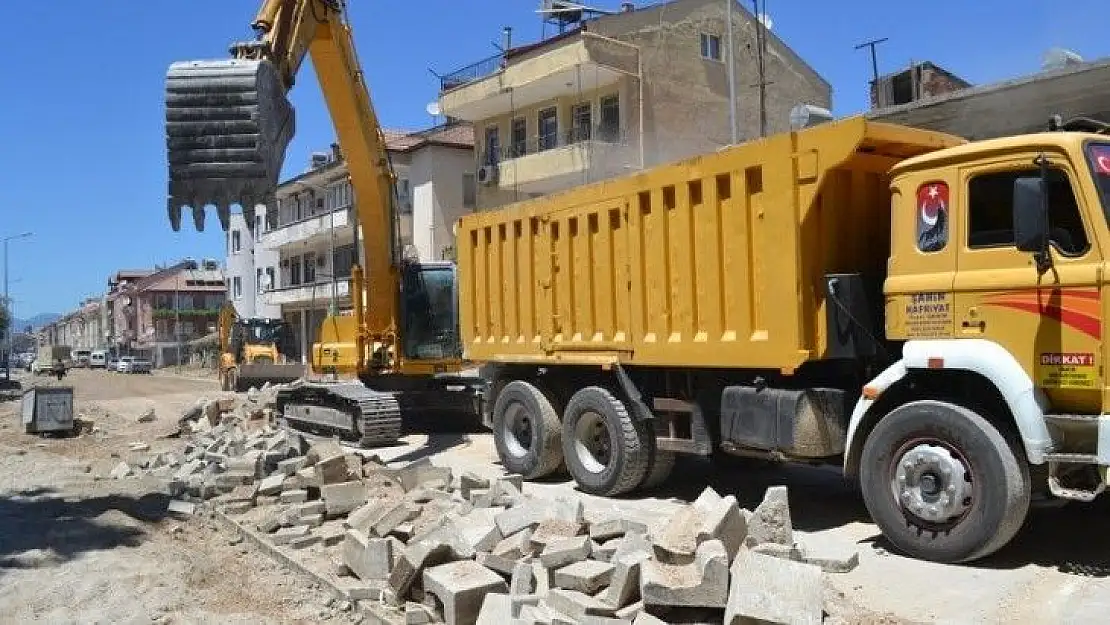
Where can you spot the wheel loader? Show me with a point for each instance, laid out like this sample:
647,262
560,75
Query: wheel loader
254,351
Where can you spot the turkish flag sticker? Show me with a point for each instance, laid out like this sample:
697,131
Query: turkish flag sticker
1100,156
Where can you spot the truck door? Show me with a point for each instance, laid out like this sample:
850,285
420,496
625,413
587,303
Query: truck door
1051,321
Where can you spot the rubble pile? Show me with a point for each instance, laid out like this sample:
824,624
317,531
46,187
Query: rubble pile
436,546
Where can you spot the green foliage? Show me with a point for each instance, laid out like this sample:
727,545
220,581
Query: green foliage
169,313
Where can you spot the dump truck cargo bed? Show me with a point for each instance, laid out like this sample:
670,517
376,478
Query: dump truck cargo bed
715,261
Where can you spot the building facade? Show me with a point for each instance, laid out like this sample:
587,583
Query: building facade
247,265
306,248
621,92
85,328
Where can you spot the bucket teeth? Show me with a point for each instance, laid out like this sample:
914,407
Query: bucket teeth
228,124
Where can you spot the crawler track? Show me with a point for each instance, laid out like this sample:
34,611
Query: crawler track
350,409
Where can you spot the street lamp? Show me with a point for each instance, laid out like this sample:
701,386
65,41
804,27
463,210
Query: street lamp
7,300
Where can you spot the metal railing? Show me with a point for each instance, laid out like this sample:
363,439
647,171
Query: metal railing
472,72
541,143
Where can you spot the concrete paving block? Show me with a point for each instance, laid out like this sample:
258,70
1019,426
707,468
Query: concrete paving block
624,585
181,508
312,520
417,614
532,512
290,466
830,558
270,521
286,534
302,542
602,620
267,500
480,498
770,521
721,520
604,552
515,546
394,516
634,546
534,615
460,587
294,496
574,604
769,589
448,534
523,580
293,482
368,558
497,563
189,468
120,471
308,477
241,493
554,530
631,611
360,592
363,517
607,529
423,473
311,507
701,583
237,507
563,552
341,498
643,618
521,603
331,534
323,450
496,610
470,481
479,529
587,576
408,568
271,485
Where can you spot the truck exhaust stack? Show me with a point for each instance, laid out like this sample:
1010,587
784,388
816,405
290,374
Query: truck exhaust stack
228,124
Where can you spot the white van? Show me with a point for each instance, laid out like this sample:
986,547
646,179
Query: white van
98,359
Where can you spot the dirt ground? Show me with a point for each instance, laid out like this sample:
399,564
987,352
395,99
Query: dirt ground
76,546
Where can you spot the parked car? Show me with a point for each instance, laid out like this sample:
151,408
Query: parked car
130,364
111,363
98,359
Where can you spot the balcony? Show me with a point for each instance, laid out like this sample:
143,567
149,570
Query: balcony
318,293
314,229
498,85
553,163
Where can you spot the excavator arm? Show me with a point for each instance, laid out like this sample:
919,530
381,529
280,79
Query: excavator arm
229,122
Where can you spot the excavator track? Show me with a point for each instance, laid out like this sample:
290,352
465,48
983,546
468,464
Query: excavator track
349,409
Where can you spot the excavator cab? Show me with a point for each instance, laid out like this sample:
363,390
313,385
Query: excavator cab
429,312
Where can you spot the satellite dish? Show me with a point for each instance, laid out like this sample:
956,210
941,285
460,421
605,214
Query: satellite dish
432,108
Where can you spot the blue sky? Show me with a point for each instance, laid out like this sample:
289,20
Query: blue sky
81,125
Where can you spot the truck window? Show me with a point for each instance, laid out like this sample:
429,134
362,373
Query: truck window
1099,153
991,217
932,216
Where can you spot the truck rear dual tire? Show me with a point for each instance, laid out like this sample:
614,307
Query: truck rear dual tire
942,483
607,452
526,431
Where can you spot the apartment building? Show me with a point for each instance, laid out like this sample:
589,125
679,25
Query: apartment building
250,267
618,92
84,328
303,254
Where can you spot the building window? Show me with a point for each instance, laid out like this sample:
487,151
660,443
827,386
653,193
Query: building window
520,137
310,267
294,271
187,329
493,146
991,212
404,197
549,128
610,123
236,287
269,284
469,191
344,259
711,47
258,280
257,225
580,122
236,242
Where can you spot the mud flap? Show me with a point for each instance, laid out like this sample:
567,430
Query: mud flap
228,124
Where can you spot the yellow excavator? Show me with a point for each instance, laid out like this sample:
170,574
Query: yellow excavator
228,124
254,351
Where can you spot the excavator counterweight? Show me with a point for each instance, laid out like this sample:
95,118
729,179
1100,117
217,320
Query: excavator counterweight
228,124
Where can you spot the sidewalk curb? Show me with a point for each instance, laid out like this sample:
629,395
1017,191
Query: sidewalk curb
374,614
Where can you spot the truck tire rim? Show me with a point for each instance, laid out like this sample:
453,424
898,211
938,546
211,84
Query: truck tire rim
591,442
517,430
932,482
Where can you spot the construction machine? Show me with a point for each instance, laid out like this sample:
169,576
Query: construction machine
228,124
254,351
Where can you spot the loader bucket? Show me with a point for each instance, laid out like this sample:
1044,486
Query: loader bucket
228,124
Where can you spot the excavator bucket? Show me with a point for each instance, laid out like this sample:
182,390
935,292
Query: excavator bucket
228,124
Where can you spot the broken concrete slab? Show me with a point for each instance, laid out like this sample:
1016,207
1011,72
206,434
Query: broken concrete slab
271,485
294,496
587,576
516,546
532,512
624,584
414,559
417,614
630,611
770,521
479,529
830,558
331,534
563,552
470,481
368,558
643,618
341,498
497,563
270,522
237,507
290,466
496,609
574,604
311,520
308,477
120,471
460,587
423,473
392,517
311,507
286,534
633,547
301,542
701,583
773,590
615,528
709,517
554,530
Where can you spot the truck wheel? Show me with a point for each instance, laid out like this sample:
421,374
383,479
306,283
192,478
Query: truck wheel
661,469
607,452
526,431
942,483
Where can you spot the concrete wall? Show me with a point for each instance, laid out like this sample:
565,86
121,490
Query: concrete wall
438,198
245,265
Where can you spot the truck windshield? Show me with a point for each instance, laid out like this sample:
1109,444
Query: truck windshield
1099,154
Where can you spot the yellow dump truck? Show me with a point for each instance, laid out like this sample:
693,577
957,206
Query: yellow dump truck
923,311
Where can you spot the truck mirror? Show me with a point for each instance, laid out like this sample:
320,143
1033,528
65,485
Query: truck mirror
1030,223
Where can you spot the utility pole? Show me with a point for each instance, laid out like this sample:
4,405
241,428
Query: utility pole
731,79
874,67
7,299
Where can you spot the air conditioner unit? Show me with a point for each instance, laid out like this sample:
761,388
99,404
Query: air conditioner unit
487,174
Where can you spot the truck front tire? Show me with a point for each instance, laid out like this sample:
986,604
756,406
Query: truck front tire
942,483
526,431
607,452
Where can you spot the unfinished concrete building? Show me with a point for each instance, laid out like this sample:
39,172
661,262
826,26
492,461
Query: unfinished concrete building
618,92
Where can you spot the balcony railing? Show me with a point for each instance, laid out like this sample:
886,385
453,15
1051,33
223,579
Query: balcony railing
164,313
470,73
543,142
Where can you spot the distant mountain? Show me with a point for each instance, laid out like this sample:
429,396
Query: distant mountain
35,322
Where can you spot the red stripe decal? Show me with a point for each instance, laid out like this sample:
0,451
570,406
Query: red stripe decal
1091,326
